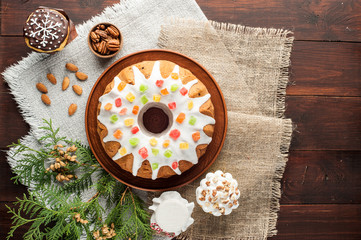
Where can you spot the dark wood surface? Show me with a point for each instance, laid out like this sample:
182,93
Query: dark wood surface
160,184
321,187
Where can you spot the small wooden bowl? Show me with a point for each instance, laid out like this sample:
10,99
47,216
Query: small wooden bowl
160,184
106,55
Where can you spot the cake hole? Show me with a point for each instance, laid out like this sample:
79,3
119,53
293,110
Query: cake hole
155,119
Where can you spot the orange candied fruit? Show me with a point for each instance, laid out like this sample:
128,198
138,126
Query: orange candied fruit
180,117
175,76
121,86
108,106
135,110
196,136
118,134
166,143
164,91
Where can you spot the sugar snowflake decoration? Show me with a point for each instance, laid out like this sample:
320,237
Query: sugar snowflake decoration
46,29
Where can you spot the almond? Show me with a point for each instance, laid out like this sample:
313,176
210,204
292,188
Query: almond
66,82
45,99
77,89
41,87
81,76
72,109
71,67
51,78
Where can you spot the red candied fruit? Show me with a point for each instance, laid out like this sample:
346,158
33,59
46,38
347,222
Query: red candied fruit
143,152
172,105
159,83
175,133
183,91
134,130
118,102
174,165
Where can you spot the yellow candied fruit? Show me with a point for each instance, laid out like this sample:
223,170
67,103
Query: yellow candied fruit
190,104
153,142
108,106
175,76
156,98
121,86
118,134
128,122
130,97
122,151
183,145
166,143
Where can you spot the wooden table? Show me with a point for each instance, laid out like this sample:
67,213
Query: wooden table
321,187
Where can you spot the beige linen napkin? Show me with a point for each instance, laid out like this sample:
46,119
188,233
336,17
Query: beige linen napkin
250,65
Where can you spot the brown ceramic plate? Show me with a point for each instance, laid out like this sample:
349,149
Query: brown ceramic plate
160,184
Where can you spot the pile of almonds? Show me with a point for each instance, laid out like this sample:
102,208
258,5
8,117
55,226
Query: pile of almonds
76,88
105,39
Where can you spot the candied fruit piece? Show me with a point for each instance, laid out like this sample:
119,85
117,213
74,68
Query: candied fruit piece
168,153
134,130
192,120
108,106
180,118
175,133
166,143
196,136
133,141
122,151
143,88
121,86
143,152
123,111
118,102
128,122
175,76
118,134
144,99
114,118
135,110
164,91
172,105
153,142
159,83
183,145
130,97
174,87
155,166
155,151
190,105
183,91
156,98
174,165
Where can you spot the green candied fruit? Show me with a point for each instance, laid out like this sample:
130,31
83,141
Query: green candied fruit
134,141
168,153
155,166
174,87
143,88
155,151
144,99
192,120
114,118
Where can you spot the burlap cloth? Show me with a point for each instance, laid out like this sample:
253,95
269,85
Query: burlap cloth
251,67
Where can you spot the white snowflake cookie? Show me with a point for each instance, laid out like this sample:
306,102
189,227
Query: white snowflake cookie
172,213
218,193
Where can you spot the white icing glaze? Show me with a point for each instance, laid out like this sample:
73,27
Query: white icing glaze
185,128
223,202
172,212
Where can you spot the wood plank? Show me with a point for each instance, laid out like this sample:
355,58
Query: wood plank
6,185
12,49
310,20
322,177
5,223
312,222
325,68
330,20
325,123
